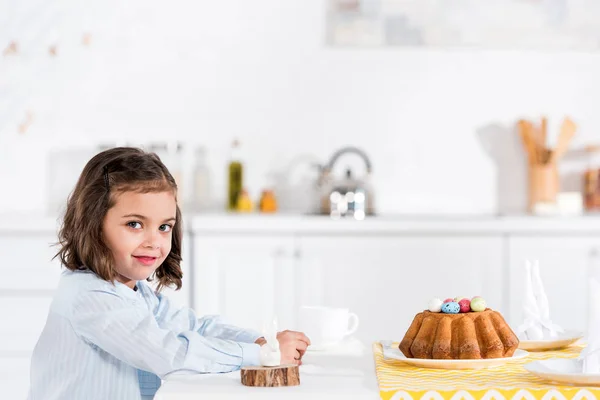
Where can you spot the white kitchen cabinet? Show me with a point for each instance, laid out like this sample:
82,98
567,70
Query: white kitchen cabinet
23,319
27,263
384,279
387,279
564,265
245,278
30,277
14,377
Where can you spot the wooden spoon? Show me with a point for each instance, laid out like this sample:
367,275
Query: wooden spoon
543,137
567,130
525,131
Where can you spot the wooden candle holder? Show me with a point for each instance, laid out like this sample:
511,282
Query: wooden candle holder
283,375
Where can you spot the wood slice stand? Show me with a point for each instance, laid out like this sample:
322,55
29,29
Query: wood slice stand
283,375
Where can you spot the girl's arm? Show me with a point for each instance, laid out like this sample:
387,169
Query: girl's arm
130,332
184,318
213,326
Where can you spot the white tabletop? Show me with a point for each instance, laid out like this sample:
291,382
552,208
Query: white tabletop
322,375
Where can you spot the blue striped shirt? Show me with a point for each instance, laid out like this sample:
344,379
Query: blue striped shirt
105,341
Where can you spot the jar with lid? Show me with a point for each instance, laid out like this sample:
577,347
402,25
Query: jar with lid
591,179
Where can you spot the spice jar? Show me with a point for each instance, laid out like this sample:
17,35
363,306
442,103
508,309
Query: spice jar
268,202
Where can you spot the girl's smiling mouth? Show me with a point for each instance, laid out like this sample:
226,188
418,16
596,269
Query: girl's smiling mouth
146,260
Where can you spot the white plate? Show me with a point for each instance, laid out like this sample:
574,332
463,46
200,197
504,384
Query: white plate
396,354
561,341
562,370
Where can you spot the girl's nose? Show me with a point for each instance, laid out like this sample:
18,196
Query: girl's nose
152,241
151,245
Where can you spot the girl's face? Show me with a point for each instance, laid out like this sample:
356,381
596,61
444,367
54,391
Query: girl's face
137,229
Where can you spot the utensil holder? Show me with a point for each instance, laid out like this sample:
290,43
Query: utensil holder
543,183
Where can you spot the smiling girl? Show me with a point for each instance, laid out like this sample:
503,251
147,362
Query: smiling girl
109,335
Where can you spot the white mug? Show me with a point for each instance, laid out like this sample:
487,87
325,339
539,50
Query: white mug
326,326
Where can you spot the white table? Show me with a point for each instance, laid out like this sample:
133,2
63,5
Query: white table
322,375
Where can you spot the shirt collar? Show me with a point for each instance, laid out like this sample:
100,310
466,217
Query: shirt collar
126,290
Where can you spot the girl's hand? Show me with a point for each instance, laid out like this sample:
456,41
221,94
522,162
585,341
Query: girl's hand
292,346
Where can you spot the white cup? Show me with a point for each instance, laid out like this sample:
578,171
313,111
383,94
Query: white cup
326,326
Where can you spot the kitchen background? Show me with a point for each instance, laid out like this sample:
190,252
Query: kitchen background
438,124
443,128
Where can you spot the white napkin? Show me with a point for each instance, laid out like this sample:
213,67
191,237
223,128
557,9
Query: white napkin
549,329
537,324
590,355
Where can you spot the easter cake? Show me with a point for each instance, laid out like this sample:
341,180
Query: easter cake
459,329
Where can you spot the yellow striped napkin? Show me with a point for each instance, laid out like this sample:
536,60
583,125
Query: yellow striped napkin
400,381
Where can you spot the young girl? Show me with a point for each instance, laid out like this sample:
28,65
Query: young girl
108,334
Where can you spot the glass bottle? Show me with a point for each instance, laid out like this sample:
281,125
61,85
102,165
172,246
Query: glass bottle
170,153
235,176
202,193
175,159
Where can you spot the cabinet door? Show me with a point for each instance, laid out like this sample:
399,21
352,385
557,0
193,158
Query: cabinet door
386,280
564,264
245,279
14,377
23,319
30,278
27,263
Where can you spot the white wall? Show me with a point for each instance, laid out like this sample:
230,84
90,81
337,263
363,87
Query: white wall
209,71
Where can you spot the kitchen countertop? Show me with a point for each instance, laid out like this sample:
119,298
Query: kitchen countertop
314,224
350,376
394,224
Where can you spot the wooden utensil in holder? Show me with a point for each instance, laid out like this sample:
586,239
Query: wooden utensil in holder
544,182
283,375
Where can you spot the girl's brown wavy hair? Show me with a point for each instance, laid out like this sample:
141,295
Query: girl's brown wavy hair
106,175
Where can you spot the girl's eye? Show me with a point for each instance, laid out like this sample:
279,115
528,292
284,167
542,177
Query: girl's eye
134,225
165,228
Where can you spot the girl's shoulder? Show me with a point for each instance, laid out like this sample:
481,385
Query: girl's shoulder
83,289
81,285
84,280
75,287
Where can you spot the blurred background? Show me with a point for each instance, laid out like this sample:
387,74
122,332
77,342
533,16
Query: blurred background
436,120
318,138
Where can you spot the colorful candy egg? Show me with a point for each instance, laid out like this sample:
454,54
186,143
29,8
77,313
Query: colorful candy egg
450,308
465,305
458,299
448,300
478,304
435,305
